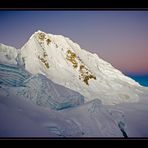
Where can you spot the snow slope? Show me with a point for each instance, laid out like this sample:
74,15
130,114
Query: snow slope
91,119
45,93
12,75
65,63
93,115
8,54
136,115
27,119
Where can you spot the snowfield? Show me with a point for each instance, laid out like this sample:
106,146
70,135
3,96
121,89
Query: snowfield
53,88
23,118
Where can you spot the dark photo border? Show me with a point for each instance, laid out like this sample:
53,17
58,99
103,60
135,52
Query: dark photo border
68,5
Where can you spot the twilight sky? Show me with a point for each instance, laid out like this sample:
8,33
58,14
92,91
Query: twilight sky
119,37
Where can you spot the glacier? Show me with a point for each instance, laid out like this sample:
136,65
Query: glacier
53,88
12,75
44,92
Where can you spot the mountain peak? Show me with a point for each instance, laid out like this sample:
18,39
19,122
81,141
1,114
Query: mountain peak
66,63
36,32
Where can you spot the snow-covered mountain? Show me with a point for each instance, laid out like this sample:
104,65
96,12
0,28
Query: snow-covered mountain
53,88
65,63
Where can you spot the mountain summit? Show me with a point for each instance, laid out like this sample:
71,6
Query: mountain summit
67,64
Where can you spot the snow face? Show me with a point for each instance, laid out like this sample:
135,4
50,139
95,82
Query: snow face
8,54
96,116
12,75
65,63
88,120
37,88
45,93
136,115
91,119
